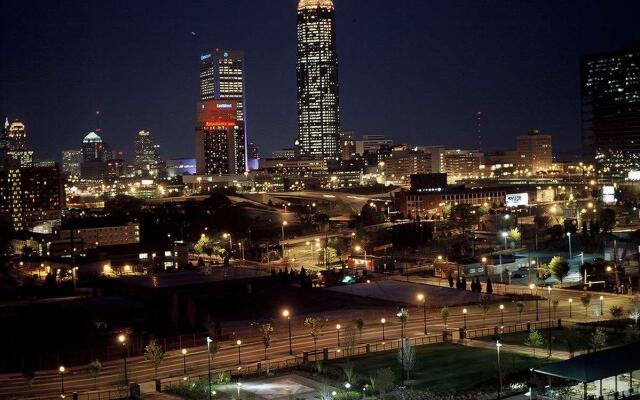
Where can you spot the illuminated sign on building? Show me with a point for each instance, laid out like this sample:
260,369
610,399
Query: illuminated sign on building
517,199
608,194
224,105
205,57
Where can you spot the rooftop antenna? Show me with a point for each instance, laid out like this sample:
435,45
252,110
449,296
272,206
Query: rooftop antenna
479,129
98,129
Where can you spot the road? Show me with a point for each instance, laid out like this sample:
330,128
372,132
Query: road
252,350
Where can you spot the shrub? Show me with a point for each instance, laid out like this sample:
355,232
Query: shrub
347,395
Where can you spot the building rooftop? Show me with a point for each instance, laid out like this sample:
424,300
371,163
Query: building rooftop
313,4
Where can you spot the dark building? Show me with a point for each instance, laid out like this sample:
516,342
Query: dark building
222,78
317,73
610,87
253,157
29,194
433,182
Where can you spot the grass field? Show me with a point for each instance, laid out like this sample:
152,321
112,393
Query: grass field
447,368
559,338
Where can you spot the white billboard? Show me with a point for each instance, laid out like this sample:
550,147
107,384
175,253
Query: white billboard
517,199
608,194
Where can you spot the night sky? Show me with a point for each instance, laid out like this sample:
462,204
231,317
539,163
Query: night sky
414,70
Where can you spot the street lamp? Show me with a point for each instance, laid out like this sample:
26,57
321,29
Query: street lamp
570,302
358,249
464,315
209,363
61,369
504,235
123,341
284,223
601,306
502,314
569,239
382,322
338,330
549,323
184,361
532,287
423,299
498,345
239,344
287,315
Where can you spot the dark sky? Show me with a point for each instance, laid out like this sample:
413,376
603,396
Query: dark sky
414,70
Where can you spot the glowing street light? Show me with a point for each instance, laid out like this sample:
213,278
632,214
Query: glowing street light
209,341
287,315
284,223
239,344
570,302
382,322
505,235
122,339
184,361
423,299
532,287
61,370
338,330
464,315
502,314
498,345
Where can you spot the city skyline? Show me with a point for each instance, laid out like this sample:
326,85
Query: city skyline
437,107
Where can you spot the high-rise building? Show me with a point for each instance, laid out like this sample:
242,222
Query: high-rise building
15,143
461,164
216,132
222,78
317,76
533,152
253,157
29,194
347,145
610,88
71,160
147,154
95,155
92,148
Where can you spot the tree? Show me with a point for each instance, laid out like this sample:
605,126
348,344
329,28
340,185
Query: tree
616,311
520,308
489,287
607,219
559,267
555,303
485,305
154,353
360,326
534,340
571,337
515,235
444,313
349,340
94,369
585,299
213,349
634,310
598,339
631,334
384,380
407,356
266,330
314,325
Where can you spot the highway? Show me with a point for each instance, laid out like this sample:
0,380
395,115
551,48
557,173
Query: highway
78,379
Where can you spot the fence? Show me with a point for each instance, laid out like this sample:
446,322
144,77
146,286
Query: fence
518,327
107,394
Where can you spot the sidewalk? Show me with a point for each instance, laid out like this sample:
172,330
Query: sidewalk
540,353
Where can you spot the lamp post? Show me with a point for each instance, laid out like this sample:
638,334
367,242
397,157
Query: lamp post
287,315
423,299
61,369
184,361
284,223
338,330
358,249
549,323
601,306
569,239
532,287
228,236
570,303
498,345
239,344
504,235
209,364
123,341
502,314
382,322
464,315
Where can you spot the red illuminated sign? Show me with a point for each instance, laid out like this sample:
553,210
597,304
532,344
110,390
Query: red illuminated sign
213,124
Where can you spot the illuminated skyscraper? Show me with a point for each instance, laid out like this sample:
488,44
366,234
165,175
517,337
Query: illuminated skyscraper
15,143
147,153
317,70
216,131
222,78
611,108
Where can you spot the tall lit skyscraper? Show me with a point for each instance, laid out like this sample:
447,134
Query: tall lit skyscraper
216,131
611,108
222,78
15,143
71,160
147,153
317,70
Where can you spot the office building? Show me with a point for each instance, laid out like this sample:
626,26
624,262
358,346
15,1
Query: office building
147,154
253,157
610,88
71,160
347,145
217,132
317,78
14,144
100,236
461,164
534,152
371,144
222,78
288,153
29,194
402,164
